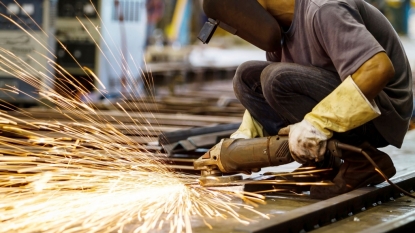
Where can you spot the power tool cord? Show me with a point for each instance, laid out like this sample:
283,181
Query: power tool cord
361,151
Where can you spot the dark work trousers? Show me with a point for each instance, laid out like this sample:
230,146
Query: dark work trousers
280,94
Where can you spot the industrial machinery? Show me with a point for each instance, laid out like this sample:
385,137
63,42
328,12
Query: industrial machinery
106,37
26,39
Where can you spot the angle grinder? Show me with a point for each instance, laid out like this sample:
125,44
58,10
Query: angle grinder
219,165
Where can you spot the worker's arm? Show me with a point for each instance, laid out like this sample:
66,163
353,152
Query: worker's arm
350,105
361,63
373,75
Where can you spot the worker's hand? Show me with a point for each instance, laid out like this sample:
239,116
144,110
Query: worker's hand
305,141
342,110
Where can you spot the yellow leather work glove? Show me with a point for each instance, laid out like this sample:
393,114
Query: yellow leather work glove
250,128
342,110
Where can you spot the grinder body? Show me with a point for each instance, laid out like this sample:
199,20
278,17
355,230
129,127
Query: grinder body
232,156
253,154
244,155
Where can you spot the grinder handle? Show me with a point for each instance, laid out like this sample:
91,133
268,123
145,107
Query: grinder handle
334,147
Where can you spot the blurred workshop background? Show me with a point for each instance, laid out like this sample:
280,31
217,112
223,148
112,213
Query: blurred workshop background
141,49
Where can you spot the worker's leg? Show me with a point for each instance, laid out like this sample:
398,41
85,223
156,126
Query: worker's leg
280,94
293,90
287,92
247,87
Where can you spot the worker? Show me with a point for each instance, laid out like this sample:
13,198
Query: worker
338,71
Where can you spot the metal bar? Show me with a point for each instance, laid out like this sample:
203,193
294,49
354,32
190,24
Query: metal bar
196,142
325,212
119,116
137,121
175,136
208,140
405,223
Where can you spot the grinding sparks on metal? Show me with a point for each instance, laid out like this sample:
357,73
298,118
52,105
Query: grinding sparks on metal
86,199
95,184
86,181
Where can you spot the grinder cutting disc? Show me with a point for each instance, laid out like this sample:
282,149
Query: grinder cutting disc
215,181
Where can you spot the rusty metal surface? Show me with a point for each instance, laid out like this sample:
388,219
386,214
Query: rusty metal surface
392,216
405,223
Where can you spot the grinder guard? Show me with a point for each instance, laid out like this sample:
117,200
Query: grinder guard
244,18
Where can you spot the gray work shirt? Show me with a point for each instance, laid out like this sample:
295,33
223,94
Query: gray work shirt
340,35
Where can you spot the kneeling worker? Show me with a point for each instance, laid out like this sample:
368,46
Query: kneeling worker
334,69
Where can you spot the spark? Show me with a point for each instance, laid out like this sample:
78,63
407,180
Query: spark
81,173
65,186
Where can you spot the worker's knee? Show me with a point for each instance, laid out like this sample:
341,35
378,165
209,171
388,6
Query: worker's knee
247,77
239,74
277,77
245,70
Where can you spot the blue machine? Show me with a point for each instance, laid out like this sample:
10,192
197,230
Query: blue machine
107,37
